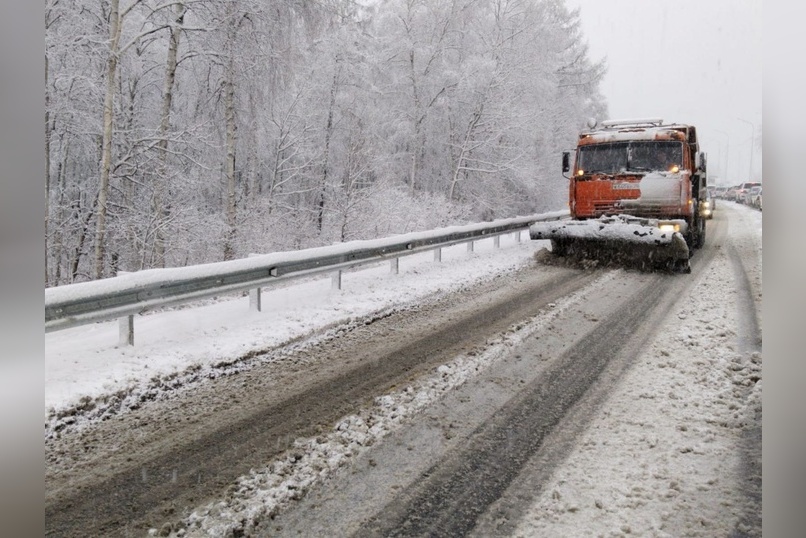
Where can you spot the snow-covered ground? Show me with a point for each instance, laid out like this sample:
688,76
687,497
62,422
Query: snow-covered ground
660,460
87,361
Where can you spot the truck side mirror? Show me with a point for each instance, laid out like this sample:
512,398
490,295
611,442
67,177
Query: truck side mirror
566,161
700,163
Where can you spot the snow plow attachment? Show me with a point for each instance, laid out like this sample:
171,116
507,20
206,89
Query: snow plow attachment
648,244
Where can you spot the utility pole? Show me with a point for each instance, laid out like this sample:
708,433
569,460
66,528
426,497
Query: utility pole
752,146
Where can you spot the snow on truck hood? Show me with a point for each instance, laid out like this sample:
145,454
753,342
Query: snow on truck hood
659,188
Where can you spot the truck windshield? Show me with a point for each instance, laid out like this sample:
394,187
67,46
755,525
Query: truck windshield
632,156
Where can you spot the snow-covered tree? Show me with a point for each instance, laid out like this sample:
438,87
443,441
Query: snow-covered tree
192,131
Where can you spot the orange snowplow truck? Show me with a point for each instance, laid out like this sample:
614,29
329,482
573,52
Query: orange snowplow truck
634,192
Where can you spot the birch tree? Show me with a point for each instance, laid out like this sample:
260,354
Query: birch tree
116,20
160,194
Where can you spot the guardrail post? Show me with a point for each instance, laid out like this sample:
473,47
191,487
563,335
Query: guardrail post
255,299
126,325
394,265
497,241
126,331
518,236
335,280
438,254
470,246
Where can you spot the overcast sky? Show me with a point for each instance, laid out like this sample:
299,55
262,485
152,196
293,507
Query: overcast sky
687,61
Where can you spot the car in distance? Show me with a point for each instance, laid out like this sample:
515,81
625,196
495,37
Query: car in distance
720,191
743,190
755,197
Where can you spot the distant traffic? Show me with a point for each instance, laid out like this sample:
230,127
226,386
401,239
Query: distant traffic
748,193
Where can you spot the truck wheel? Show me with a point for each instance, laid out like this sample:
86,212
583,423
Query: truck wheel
682,266
699,235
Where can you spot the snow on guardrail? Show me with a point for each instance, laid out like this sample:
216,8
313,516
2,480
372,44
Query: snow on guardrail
127,294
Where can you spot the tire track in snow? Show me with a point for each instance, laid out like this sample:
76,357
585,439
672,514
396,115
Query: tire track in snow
749,338
449,499
749,343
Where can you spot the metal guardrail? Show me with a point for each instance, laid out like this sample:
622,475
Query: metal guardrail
123,296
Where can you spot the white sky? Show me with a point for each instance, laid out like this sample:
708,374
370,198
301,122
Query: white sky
669,470
688,61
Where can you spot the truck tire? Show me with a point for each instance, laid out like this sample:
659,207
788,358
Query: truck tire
699,234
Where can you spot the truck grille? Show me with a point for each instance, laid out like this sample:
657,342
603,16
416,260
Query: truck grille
654,210
609,208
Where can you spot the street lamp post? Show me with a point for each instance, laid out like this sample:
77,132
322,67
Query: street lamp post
752,146
727,153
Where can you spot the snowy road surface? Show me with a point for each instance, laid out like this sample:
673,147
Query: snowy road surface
488,395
